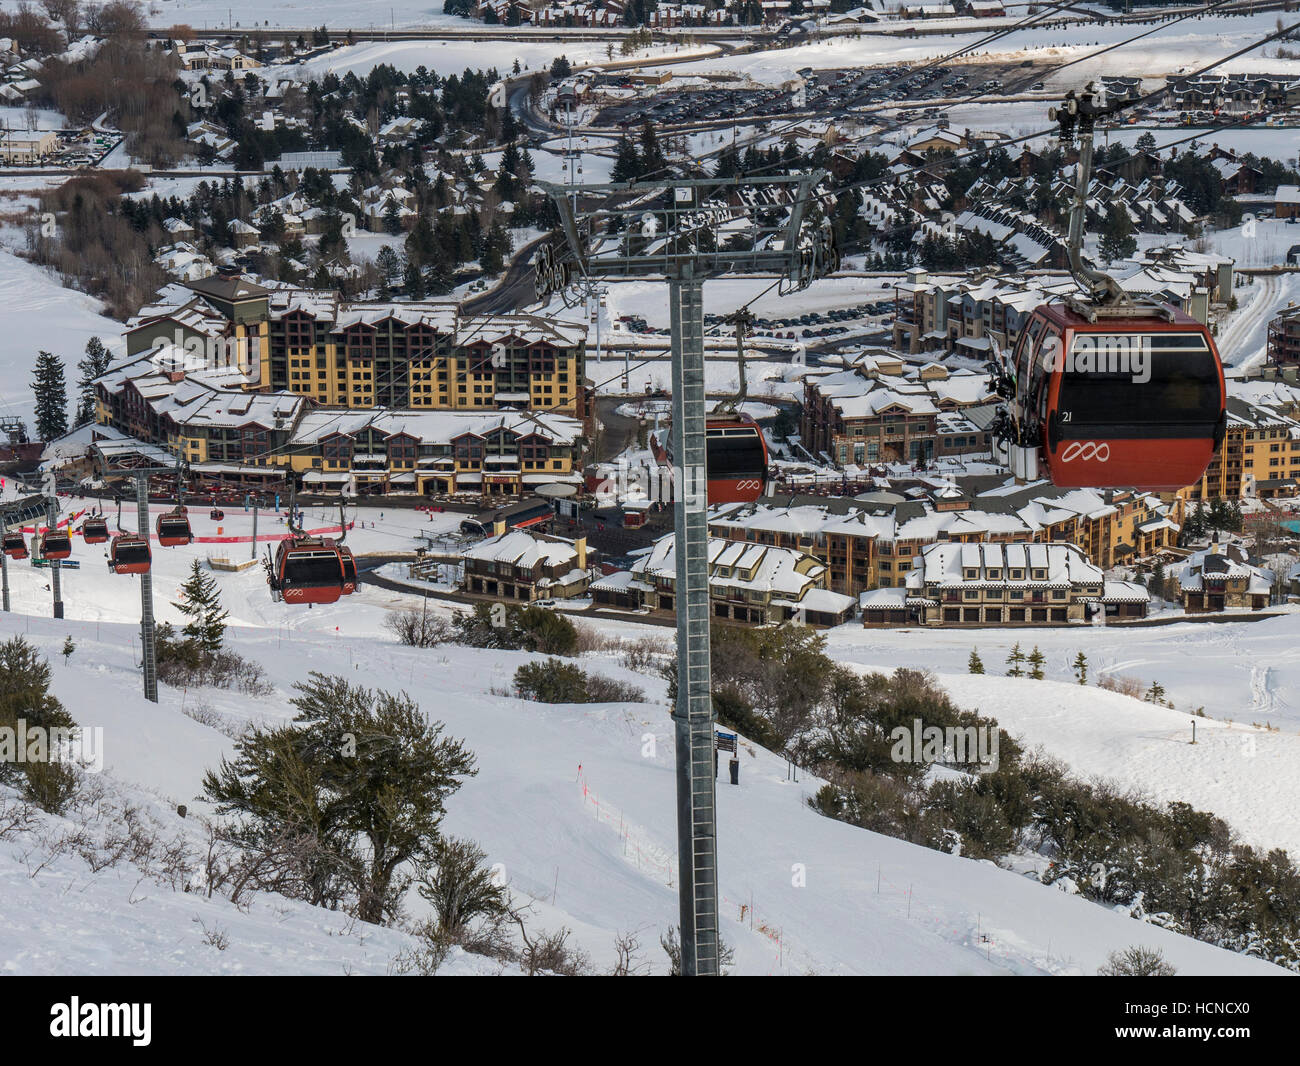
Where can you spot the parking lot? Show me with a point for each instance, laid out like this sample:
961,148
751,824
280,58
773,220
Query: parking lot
826,92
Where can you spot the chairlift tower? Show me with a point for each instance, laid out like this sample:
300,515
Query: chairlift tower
686,231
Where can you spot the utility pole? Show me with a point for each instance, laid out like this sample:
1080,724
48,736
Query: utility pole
668,229
51,523
255,502
148,653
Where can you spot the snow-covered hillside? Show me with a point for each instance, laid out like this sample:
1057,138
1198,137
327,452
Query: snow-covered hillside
37,312
581,817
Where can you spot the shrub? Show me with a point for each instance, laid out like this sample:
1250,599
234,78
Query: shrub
1136,961
602,689
185,663
644,655
459,887
416,628
670,941
529,628
552,681
589,640
362,774
555,681
1125,686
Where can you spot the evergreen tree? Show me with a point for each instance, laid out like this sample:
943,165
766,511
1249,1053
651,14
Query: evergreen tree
1081,668
201,604
92,366
495,247
413,281
51,397
974,664
627,164
1036,660
25,694
363,775
1015,660
1117,240
1158,579
68,648
388,264
1156,693
392,219
652,156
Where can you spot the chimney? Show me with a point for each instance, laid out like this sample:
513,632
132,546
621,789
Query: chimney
580,546
498,527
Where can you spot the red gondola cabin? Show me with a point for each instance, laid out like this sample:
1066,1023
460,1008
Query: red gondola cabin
14,545
735,462
130,554
55,544
311,571
1122,401
94,530
173,529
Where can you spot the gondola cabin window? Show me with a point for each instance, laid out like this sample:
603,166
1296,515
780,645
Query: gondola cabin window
1165,380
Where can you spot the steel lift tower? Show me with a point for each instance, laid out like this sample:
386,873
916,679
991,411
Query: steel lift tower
687,231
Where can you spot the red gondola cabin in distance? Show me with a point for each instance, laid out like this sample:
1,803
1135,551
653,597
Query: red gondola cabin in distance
56,544
736,461
173,528
14,545
95,529
1123,400
129,553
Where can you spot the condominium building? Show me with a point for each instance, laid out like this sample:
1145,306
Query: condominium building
423,354
753,584
999,584
872,541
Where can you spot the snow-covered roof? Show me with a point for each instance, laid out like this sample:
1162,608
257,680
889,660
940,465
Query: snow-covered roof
522,549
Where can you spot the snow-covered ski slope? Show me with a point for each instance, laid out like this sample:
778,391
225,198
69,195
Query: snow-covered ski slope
37,312
577,802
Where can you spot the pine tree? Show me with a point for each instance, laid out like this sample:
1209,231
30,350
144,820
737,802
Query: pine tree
68,648
92,366
1158,579
1156,693
413,281
201,604
1117,240
975,664
1036,660
627,164
1081,668
51,397
652,156
388,264
1015,661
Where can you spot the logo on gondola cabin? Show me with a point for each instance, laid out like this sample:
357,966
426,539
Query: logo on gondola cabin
1086,449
